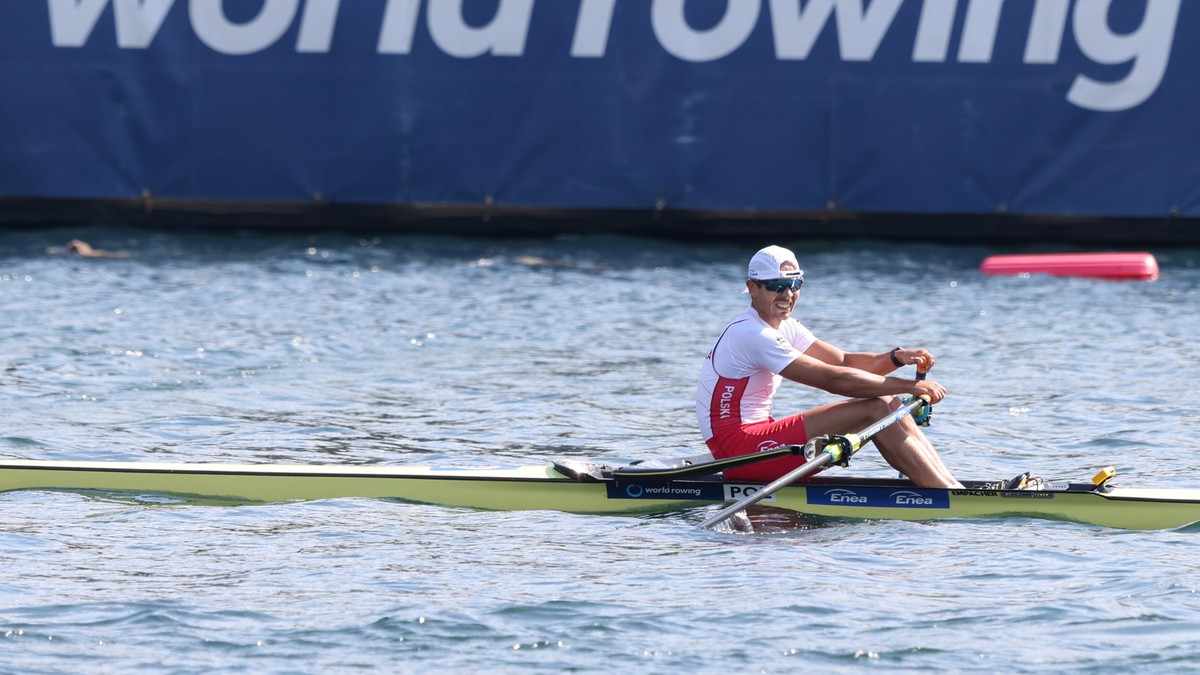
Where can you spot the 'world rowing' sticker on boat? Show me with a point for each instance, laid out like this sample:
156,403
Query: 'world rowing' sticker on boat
880,497
711,491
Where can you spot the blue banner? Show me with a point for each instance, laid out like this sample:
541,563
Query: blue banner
1028,107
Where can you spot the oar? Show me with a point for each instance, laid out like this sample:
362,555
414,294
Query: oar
634,474
922,419
843,447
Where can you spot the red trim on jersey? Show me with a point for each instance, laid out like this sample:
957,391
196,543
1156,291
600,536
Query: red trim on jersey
725,408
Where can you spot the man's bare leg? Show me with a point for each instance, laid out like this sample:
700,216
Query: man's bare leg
902,445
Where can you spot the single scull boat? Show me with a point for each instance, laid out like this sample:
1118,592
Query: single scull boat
597,487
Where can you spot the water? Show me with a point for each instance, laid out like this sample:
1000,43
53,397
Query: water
417,350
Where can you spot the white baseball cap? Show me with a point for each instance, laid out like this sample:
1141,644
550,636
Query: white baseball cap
766,263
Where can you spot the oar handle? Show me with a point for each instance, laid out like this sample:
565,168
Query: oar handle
922,418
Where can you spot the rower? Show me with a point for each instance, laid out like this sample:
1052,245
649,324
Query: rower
765,344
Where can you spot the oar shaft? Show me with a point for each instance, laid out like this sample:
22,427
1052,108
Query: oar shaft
856,442
781,482
897,415
635,474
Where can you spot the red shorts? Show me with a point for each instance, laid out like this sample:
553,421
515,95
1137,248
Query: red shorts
751,438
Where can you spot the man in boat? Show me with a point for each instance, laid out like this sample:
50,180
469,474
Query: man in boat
765,344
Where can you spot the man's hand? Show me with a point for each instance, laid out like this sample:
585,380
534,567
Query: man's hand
930,388
921,357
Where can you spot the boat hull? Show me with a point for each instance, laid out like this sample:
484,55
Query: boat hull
544,487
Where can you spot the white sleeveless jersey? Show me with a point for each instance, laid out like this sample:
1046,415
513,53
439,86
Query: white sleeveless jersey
741,373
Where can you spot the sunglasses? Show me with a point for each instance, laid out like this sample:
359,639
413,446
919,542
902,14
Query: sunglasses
780,285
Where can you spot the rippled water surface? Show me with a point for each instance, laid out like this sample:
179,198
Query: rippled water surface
331,348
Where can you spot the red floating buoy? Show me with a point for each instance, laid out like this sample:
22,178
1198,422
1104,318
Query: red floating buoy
1141,266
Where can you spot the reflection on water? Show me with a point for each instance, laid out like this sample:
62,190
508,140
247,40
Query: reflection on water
768,520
